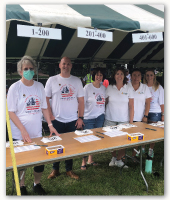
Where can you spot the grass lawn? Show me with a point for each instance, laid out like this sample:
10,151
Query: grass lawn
101,179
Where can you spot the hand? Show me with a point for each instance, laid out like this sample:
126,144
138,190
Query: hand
144,119
162,118
25,136
79,123
53,130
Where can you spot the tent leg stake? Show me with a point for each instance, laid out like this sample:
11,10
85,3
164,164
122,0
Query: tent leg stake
141,170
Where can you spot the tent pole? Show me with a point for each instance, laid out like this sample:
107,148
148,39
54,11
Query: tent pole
37,70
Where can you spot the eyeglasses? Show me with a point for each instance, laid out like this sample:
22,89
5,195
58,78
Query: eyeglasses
26,69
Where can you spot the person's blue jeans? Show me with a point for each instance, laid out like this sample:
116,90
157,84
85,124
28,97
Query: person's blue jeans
64,128
94,123
154,117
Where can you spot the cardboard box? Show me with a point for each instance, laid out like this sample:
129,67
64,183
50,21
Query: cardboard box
135,136
58,149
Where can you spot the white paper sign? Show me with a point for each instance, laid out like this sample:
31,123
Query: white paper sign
38,32
147,37
94,34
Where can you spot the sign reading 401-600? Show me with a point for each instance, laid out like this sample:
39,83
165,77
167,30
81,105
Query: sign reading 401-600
38,32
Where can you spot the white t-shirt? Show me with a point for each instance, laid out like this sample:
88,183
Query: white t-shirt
117,109
94,100
140,96
27,103
157,99
64,93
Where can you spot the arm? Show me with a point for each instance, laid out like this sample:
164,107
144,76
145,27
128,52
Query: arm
79,122
147,107
47,117
131,110
20,126
162,111
106,101
49,109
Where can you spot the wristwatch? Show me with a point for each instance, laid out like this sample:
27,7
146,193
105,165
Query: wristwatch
81,118
146,116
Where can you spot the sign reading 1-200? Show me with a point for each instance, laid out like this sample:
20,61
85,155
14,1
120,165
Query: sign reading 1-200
94,34
38,32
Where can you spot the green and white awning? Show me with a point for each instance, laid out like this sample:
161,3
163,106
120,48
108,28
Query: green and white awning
122,20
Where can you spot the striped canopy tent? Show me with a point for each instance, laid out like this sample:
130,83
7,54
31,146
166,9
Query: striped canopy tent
122,20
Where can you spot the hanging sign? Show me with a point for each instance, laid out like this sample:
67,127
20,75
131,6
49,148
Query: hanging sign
147,37
94,34
38,32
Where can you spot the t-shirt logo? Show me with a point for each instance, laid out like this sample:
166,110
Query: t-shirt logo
67,91
32,104
100,100
124,93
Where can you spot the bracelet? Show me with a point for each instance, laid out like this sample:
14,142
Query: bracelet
49,125
162,114
146,116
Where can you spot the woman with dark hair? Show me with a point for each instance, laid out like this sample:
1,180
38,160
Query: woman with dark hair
119,108
142,97
156,112
94,112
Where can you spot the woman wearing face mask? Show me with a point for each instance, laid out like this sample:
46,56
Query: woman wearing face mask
119,108
142,97
94,112
26,102
156,112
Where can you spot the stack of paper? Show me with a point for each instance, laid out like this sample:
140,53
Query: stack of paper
83,132
115,133
51,139
118,127
126,125
158,124
15,143
111,128
88,138
25,148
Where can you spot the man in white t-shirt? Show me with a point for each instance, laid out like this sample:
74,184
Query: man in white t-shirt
67,106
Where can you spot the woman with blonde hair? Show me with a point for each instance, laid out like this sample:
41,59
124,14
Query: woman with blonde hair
156,112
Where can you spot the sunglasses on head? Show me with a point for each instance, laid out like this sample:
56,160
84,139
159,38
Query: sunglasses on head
26,69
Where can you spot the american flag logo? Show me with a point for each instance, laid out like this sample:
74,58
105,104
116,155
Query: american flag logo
67,91
33,103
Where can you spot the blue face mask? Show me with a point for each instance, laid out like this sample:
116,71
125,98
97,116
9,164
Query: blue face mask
28,74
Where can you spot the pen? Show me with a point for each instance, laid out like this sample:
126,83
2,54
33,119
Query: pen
99,136
151,129
41,145
99,132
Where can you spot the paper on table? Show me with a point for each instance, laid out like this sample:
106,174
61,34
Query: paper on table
51,139
158,124
15,143
88,138
118,127
126,125
115,133
83,132
111,128
25,148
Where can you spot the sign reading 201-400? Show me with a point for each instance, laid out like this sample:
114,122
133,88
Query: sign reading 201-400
94,34
38,32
